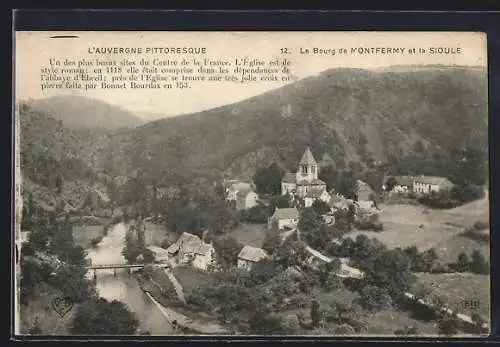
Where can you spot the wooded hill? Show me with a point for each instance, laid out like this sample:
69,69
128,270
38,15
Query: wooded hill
349,117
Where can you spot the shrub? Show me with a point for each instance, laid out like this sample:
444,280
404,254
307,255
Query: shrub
478,264
479,225
95,241
374,298
370,222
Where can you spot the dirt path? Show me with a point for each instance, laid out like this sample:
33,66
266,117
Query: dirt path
177,286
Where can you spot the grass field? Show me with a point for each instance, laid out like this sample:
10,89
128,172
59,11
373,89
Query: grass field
407,225
83,234
386,322
403,235
449,249
190,278
457,289
250,234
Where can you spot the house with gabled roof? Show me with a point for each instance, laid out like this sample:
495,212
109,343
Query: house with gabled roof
283,217
249,256
190,249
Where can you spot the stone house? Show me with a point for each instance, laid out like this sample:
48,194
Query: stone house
246,199
428,184
191,250
249,256
283,217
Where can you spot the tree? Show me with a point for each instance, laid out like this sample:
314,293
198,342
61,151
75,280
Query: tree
463,262
256,214
77,256
309,221
315,313
391,270
265,323
227,249
348,185
268,180
272,242
329,175
71,281
320,207
101,317
290,253
95,241
38,239
148,256
390,183
373,298
132,248
478,264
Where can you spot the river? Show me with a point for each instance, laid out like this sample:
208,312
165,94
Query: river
124,287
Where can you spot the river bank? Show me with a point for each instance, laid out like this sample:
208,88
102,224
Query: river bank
125,287
168,302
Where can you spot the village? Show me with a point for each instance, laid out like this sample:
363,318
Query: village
303,192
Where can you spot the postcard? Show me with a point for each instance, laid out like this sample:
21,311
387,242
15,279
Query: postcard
251,183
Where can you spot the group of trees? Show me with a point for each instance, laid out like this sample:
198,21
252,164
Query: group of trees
134,247
383,268
319,234
268,180
343,182
476,263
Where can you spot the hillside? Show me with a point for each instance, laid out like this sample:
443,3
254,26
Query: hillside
350,115
80,112
58,164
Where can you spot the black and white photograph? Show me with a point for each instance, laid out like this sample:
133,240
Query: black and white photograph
251,183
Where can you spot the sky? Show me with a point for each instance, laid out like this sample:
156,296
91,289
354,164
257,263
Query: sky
34,49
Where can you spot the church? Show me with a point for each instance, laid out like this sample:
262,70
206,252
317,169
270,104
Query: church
304,182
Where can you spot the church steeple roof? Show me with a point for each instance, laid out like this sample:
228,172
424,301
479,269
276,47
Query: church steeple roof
307,158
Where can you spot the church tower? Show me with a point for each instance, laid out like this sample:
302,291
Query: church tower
308,167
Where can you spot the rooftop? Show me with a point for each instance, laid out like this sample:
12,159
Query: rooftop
286,213
253,254
434,180
307,158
